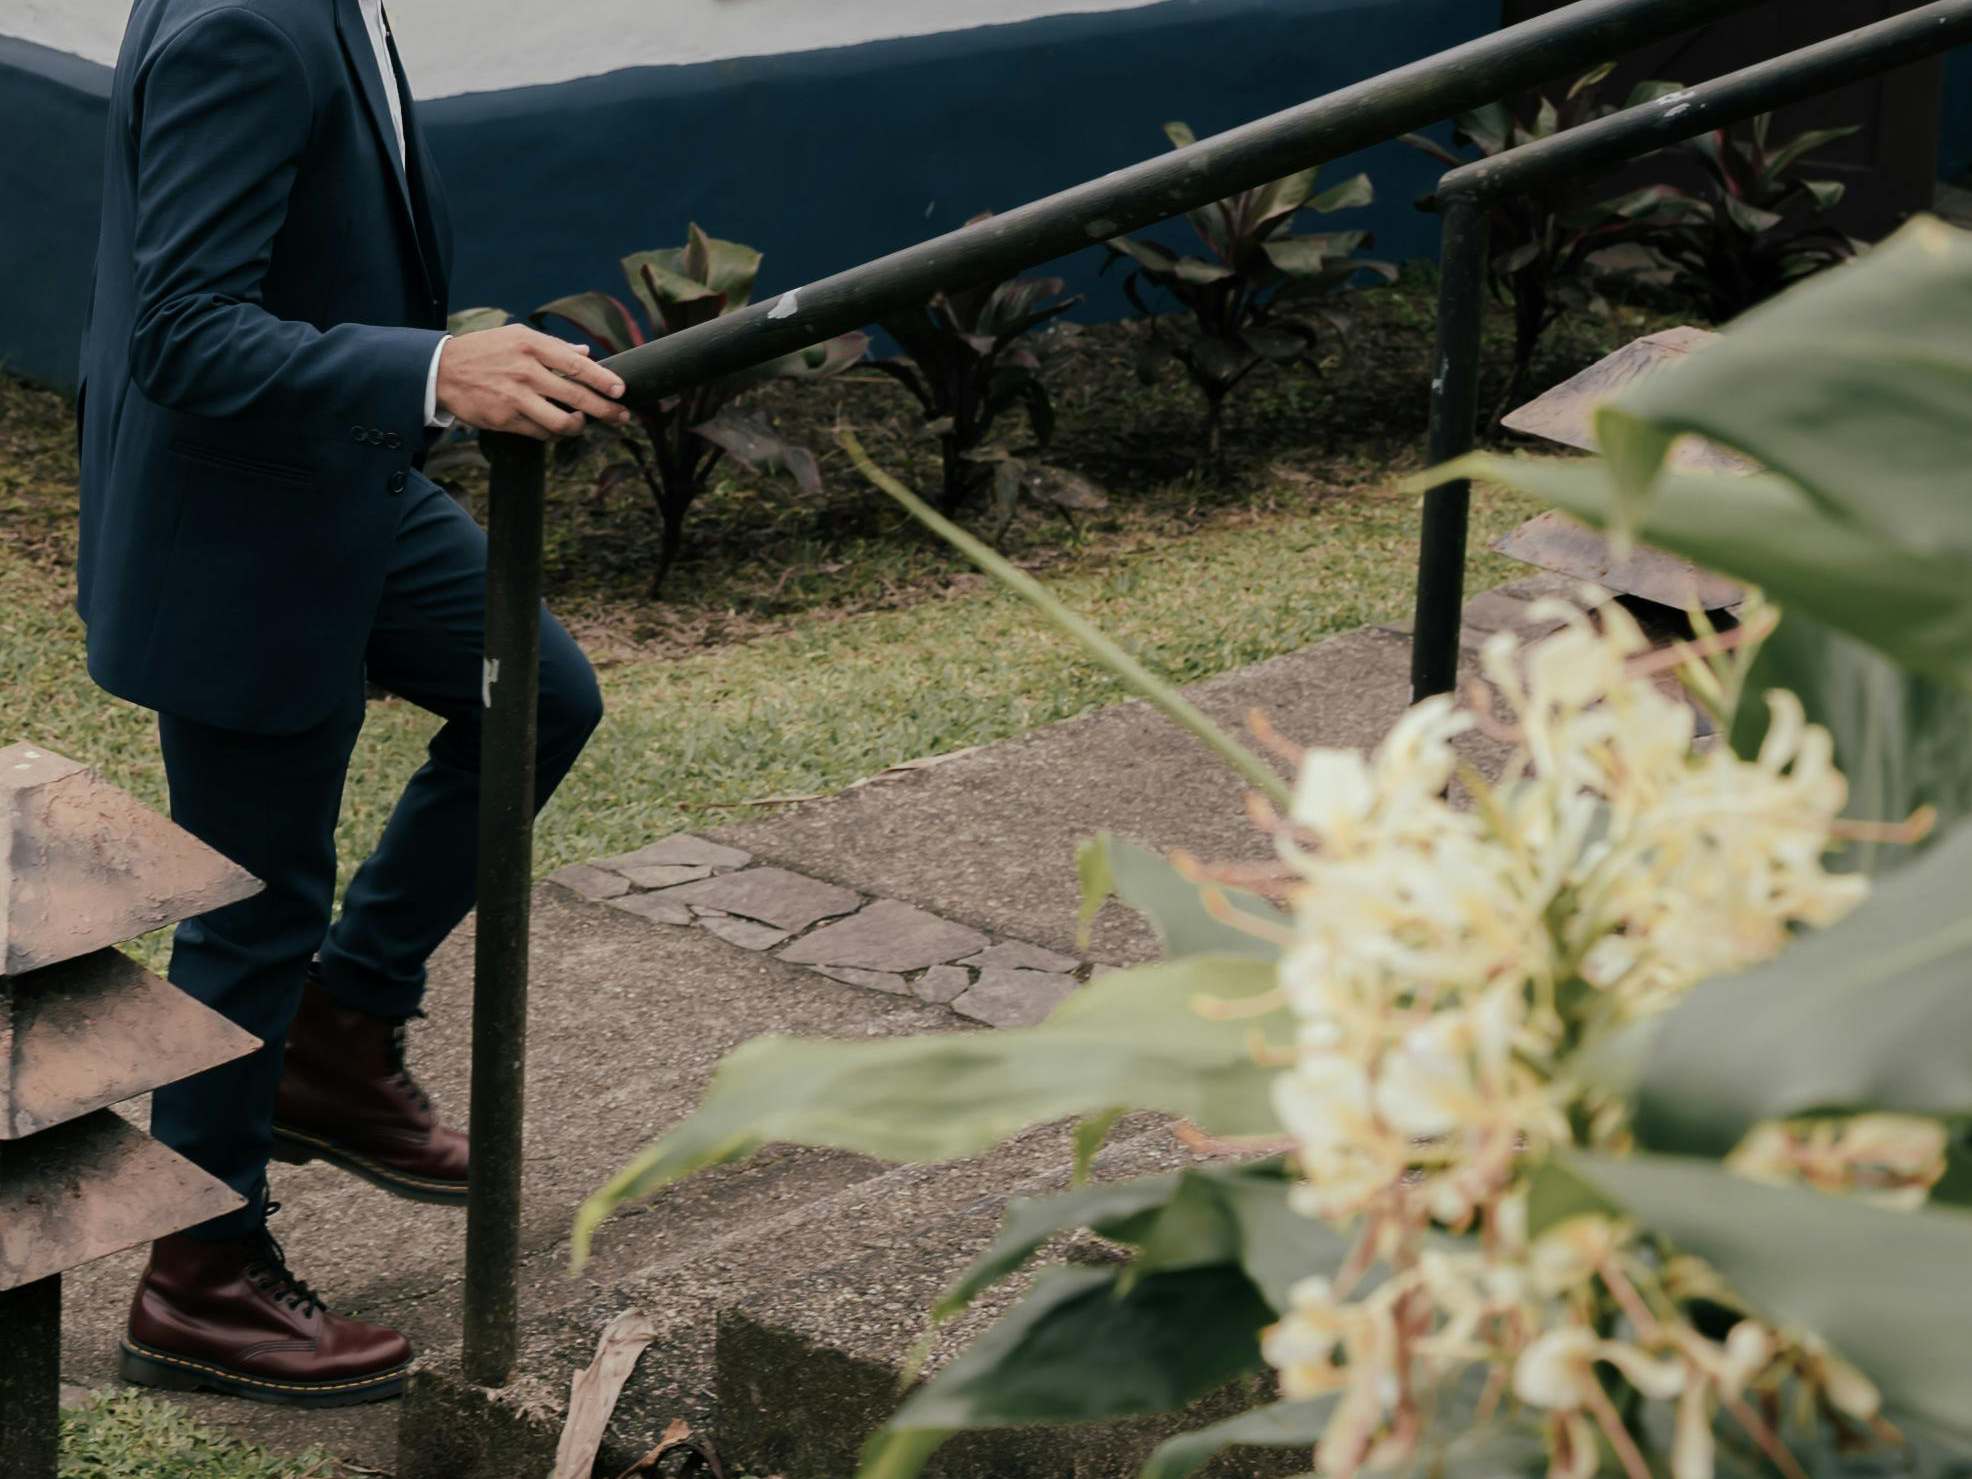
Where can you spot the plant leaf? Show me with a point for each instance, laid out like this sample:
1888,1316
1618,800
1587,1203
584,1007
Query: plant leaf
756,446
1913,607
1032,1221
599,315
1175,906
1899,737
472,320
1131,1039
1885,1288
1857,385
1873,1013
1279,1425
726,267
1355,191
1166,1340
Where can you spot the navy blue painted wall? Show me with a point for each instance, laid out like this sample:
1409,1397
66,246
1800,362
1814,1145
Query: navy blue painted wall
1955,149
825,159
51,171
821,159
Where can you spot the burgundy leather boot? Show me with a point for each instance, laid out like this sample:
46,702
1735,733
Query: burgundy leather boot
346,1097
230,1317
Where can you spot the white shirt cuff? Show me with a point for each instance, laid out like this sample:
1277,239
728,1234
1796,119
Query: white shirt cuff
434,416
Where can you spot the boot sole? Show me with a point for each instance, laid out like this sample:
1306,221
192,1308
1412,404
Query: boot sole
146,1366
292,1147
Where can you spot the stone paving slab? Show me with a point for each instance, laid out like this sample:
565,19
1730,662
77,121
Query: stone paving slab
989,838
773,896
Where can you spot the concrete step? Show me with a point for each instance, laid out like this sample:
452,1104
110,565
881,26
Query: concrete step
695,1276
771,1278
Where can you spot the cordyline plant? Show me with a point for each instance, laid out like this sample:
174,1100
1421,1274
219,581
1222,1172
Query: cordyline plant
1262,295
1604,1124
966,365
1541,241
1756,229
682,438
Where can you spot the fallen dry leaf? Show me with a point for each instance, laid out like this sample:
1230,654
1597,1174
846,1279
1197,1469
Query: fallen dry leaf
592,1396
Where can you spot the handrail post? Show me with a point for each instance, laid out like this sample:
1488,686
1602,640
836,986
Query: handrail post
1454,423
510,691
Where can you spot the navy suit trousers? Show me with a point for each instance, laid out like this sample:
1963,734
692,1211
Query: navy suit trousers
270,803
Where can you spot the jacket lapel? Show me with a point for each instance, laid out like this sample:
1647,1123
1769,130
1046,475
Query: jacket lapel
362,59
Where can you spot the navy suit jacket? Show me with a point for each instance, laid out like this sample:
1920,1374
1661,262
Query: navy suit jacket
270,287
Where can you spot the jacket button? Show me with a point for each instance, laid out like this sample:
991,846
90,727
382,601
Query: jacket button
396,483
376,436
357,434
392,440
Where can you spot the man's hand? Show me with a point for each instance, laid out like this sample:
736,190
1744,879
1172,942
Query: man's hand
515,379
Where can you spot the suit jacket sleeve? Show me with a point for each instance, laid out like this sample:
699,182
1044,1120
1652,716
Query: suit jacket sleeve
223,118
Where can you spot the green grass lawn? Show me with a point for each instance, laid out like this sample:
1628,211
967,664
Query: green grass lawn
834,697
128,1436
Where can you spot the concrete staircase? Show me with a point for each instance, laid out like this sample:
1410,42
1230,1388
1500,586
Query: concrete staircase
789,1290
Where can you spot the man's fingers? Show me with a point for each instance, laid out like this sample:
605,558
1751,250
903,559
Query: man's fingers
551,418
576,396
573,361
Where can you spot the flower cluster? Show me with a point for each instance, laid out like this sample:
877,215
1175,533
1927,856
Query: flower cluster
1450,955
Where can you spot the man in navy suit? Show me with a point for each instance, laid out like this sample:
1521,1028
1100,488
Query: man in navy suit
265,358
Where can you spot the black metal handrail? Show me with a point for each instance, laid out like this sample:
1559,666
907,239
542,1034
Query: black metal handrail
1354,117
1369,112
1467,193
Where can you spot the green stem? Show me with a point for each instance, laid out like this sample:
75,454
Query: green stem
1139,679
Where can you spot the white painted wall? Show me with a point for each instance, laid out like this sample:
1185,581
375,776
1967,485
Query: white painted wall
456,46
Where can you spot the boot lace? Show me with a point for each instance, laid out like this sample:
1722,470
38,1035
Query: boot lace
269,1273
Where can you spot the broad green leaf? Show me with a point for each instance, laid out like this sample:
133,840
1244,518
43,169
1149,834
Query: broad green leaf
472,320
1557,1193
600,316
1354,191
1886,1289
1752,219
1857,386
1080,1348
1790,153
1280,1425
1199,273
757,447
1283,198
1873,1013
671,297
1146,254
1175,906
1108,1206
1914,606
1654,91
1091,1135
1132,1039
726,267
1899,738
1487,127
1275,1245
1297,255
